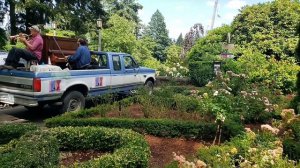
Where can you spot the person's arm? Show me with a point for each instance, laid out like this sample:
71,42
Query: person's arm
32,46
76,56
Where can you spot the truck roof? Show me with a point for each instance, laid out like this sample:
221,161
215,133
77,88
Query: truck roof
109,53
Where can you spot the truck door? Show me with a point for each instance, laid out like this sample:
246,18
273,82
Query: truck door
116,72
131,71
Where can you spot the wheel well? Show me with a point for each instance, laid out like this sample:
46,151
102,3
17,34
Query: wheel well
80,88
150,79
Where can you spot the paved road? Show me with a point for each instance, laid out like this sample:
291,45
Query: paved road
20,112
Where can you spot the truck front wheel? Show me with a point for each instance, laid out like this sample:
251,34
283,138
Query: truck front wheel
149,86
73,101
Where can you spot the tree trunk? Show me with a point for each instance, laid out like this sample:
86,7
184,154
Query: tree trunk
12,15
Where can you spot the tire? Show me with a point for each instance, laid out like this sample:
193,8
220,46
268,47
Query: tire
149,85
73,101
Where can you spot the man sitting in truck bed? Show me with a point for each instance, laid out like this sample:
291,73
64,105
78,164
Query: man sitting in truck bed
33,51
82,57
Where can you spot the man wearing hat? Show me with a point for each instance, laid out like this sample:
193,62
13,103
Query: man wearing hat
33,51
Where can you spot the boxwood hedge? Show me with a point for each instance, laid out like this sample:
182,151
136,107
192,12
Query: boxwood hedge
35,149
129,149
9,132
41,148
157,127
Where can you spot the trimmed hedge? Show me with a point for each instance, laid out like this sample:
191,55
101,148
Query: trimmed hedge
41,148
129,148
157,127
9,132
37,149
201,72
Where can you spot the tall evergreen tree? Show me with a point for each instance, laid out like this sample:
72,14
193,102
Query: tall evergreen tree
179,40
157,30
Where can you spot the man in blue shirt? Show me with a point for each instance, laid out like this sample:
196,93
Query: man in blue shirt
82,57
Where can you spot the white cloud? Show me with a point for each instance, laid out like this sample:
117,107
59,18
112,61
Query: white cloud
236,4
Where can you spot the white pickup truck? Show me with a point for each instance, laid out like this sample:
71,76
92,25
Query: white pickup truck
47,84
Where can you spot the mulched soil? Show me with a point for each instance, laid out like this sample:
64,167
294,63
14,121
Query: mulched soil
68,158
162,149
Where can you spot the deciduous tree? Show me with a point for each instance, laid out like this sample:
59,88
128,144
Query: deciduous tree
195,33
270,27
119,37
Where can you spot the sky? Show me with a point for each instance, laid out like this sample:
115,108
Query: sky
181,15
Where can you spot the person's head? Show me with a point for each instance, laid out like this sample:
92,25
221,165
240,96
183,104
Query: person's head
82,42
34,30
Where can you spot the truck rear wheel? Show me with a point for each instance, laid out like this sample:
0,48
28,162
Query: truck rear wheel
73,101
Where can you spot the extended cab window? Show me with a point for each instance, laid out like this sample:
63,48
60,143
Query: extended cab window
116,62
129,62
100,60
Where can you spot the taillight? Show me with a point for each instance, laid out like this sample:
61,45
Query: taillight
37,85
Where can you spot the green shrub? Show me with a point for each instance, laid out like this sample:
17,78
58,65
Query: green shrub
37,149
291,148
186,103
232,128
9,132
201,72
129,148
230,65
162,128
295,126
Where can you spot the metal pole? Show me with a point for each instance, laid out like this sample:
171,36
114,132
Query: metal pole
99,43
214,14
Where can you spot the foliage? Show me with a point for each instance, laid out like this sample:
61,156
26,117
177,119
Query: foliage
129,148
124,8
248,150
201,72
186,103
59,33
143,49
291,148
275,74
210,45
269,27
158,32
79,16
9,132
119,37
298,47
196,32
3,38
37,149
173,54
174,70
156,127
179,41
8,46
